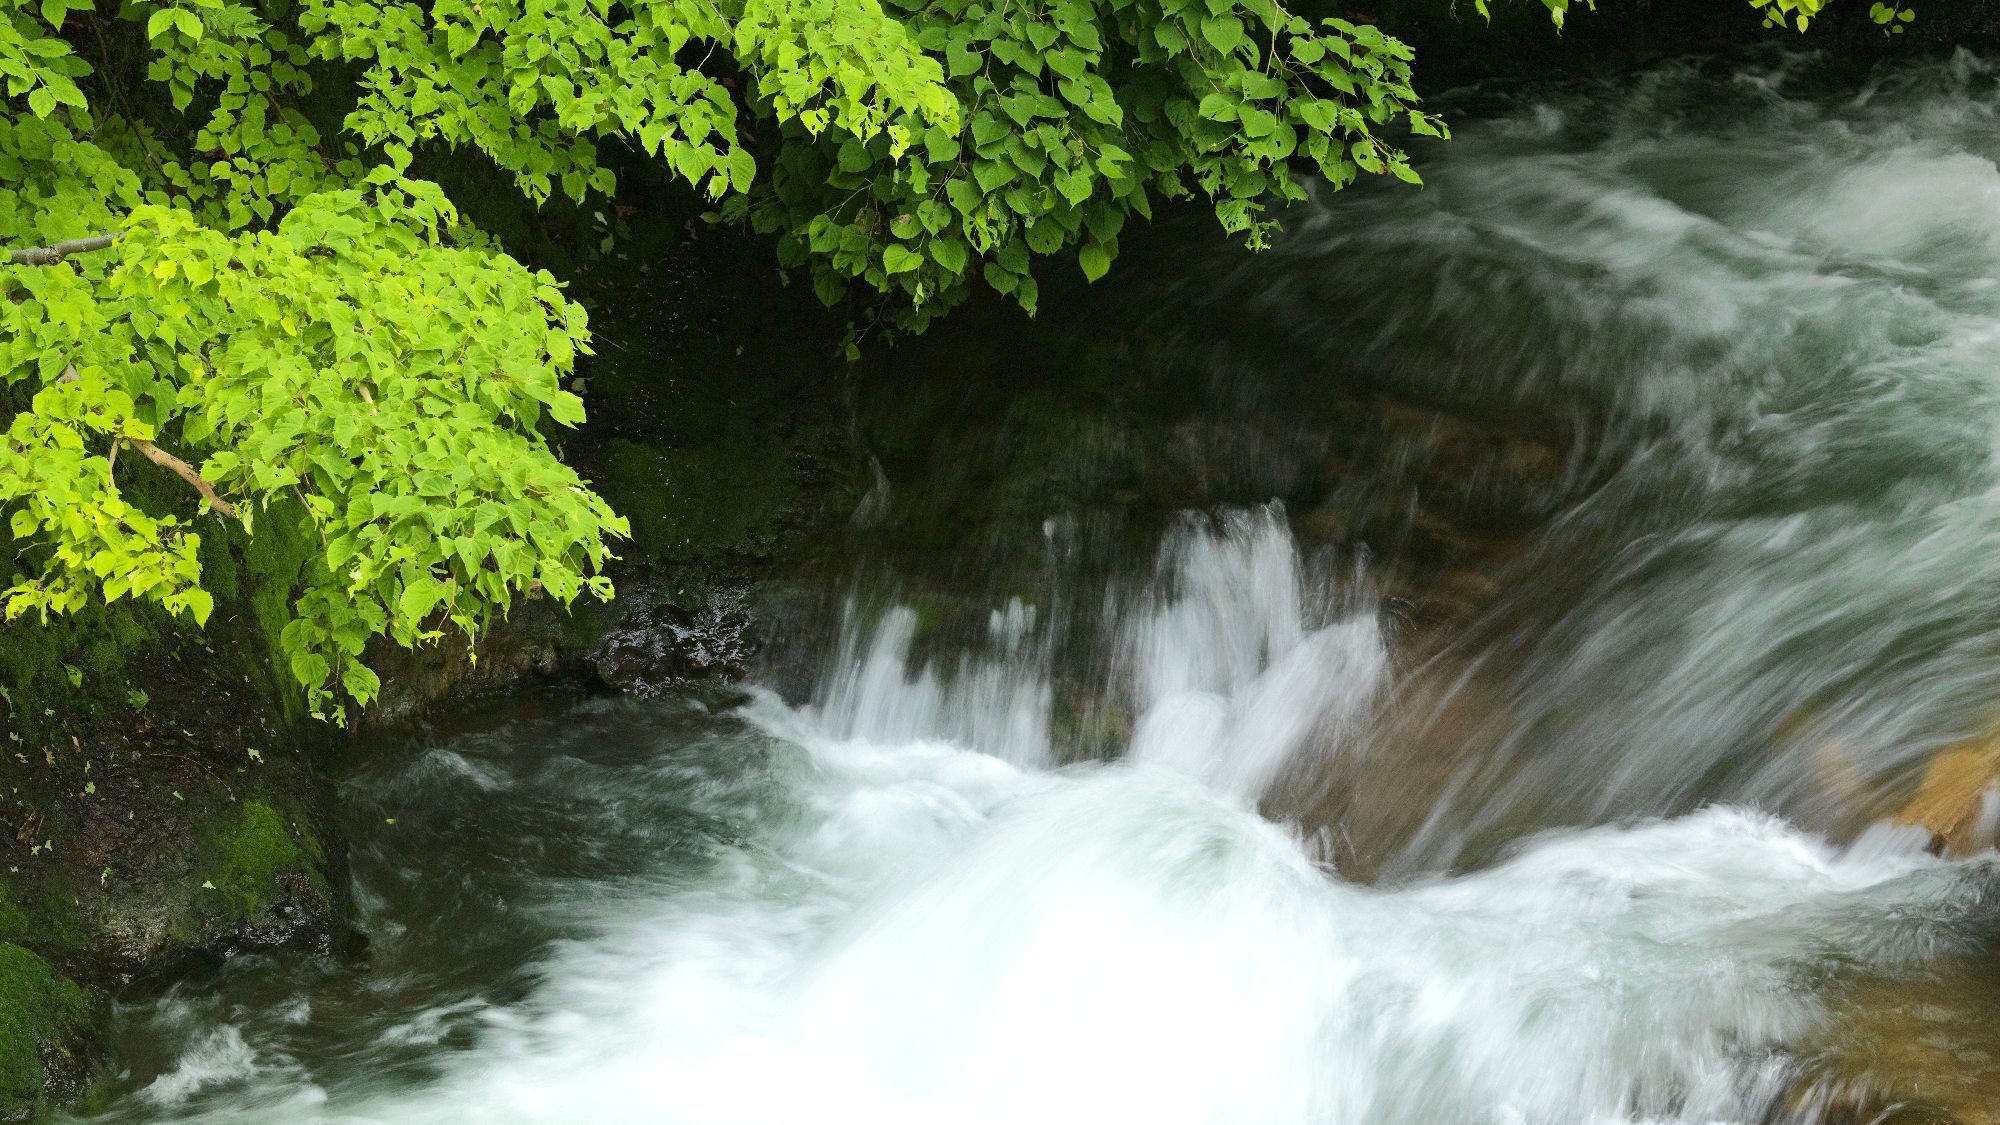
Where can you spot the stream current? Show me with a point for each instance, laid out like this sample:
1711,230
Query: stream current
1640,870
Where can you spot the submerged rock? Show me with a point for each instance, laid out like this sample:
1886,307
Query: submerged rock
1917,1049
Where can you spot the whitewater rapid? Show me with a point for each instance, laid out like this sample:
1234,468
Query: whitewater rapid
901,925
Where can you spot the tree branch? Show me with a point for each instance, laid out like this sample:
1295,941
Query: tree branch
186,472
51,254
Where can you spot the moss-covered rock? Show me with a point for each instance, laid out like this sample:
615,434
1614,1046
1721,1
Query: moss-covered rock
261,868
45,1025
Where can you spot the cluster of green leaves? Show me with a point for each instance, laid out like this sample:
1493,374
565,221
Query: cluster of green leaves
913,147
301,336
1892,17
538,85
1789,13
1077,115
1778,14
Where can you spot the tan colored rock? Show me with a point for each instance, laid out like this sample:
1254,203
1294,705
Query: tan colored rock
1959,797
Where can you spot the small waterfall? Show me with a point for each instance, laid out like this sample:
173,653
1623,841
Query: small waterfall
1234,669
998,700
1235,678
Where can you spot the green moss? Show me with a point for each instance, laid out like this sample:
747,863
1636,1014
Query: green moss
62,925
731,496
13,920
263,573
41,1011
49,922
247,854
98,642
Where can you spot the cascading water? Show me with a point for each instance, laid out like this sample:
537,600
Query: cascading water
924,897
892,925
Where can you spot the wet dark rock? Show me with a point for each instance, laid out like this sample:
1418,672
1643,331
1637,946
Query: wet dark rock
666,646
537,641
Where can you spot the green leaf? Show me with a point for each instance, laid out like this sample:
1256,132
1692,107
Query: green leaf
900,259
992,175
1224,33
964,196
949,253
1218,107
741,168
419,598
1002,280
360,682
987,129
1094,260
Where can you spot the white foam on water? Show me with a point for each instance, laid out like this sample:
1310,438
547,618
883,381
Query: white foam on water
1235,678
219,1056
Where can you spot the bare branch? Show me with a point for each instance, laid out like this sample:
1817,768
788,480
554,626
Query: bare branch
52,254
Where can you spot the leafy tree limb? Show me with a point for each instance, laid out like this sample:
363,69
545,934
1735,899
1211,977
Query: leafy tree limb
153,452
186,472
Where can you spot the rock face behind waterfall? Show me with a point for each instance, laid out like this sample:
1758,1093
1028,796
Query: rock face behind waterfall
1065,423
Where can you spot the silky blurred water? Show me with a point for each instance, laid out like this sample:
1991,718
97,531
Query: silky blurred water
1258,850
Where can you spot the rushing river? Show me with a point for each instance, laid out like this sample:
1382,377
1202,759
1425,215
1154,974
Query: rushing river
1611,849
